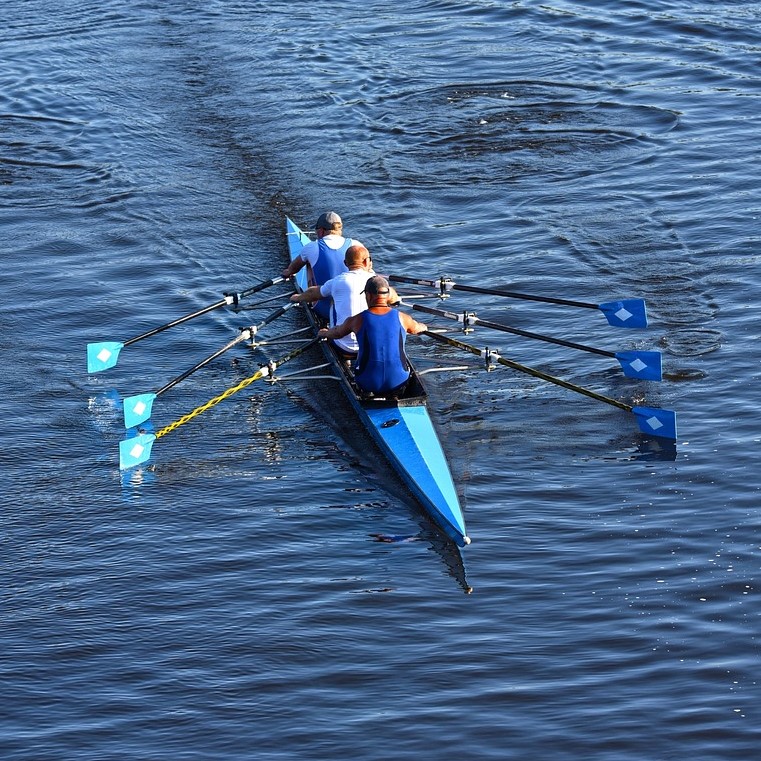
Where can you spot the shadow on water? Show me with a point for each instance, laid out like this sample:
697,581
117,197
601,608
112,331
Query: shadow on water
655,449
444,547
363,455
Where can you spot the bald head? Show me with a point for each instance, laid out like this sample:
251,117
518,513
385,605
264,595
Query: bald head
356,256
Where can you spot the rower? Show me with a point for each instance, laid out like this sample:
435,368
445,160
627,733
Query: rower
382,366
346,292
324,256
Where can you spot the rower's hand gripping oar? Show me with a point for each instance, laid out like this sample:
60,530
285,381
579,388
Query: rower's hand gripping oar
651,420
644,365
138,408
105,354
627,313
137,450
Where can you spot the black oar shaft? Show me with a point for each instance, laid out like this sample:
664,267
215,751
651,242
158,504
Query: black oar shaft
445,285
244,334
260,287
466,319
230,298
274,315
178,321
530,371
295,353
258,375
527,297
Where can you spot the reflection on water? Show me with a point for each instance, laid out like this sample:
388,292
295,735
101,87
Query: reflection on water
224,596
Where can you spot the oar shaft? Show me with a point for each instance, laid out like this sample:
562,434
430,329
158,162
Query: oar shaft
295,353
445,284
179,321
547,339
136,450
527,297
260,287
472,319
263,372
228,300
272,316
244,335
529,371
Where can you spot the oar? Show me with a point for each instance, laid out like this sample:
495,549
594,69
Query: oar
627,313
136,450
644,365
138,408
105,354
651,420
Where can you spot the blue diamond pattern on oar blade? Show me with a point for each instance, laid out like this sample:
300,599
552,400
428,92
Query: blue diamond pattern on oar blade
101,356
137,409
629,313
135,450
645,365
656,421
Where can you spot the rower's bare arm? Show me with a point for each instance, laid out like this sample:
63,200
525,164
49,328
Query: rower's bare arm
310,294
297,264
352,325
411,325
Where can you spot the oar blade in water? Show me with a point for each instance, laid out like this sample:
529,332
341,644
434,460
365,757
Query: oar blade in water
135,450
101,356
656,422
645,365
628,313
137,409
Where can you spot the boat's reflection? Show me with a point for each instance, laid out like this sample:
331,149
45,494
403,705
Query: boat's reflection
361,453
448,551
437,542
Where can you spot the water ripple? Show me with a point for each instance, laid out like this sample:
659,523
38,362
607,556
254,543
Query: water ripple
264,582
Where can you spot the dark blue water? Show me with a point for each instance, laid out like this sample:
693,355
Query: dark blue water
232,600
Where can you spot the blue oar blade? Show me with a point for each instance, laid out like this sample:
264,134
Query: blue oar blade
135,451
656,421
101,356
645,365
629,313
137,409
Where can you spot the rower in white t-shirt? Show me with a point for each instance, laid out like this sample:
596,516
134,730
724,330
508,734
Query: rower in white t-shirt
345,290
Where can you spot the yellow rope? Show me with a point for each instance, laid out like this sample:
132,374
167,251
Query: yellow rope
212,402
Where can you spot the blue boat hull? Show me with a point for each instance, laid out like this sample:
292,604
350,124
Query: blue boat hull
402,430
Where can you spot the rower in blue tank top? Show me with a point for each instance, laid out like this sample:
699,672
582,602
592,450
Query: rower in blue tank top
323,257
381,331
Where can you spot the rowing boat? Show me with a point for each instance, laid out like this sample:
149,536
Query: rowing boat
402,428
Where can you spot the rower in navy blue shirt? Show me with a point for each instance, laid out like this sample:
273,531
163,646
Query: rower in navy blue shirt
324,257
381,331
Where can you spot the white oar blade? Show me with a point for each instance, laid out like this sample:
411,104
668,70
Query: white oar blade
101,356
629,313
645,365
656,422
137,409
135,451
